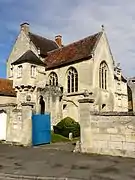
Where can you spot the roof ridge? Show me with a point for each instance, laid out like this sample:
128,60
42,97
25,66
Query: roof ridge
75,42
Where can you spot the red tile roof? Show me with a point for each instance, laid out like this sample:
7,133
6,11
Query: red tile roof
6,87
76,51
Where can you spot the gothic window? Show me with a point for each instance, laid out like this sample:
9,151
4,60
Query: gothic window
53,79
103,75
72,80
19,71
33,71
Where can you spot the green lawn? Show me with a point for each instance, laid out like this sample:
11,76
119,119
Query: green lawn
58,138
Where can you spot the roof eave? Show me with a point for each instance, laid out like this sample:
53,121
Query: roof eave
98,39
69,63
7,94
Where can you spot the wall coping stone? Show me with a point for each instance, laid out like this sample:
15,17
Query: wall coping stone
112,113
8,104
86,100
27,104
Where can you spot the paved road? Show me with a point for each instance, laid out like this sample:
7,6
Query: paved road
49,161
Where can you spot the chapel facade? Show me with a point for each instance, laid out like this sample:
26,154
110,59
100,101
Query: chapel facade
52,77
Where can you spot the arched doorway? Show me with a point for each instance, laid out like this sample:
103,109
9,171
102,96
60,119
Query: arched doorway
42,105
3,125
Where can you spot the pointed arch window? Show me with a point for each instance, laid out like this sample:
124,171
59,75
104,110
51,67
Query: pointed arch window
53,79
103,75
72,80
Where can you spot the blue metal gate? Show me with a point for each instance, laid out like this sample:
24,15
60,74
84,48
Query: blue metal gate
41,129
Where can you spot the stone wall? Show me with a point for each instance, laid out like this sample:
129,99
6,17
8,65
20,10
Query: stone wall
19,127
121,96
109,133
7,99
70,100
53,104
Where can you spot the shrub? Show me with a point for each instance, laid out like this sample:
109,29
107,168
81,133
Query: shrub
67,125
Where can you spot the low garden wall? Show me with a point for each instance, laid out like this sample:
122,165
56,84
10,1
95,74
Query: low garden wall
109,133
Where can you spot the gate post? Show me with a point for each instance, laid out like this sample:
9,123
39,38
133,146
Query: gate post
26,138
85,106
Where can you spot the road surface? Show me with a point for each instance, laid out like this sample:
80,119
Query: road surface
51,161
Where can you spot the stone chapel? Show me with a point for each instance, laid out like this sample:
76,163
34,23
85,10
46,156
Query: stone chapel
52,76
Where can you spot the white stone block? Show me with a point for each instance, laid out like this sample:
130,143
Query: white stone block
112,130
130,137
129,146
118,137
95,130
115,145
101,137
100,145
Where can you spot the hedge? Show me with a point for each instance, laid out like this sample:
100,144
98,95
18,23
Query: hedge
66,126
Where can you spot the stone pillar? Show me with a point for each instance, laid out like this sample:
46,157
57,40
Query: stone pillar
56,110
19,127
10,124
85,106
26,133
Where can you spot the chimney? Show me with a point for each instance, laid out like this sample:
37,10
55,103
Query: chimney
25,27
58,40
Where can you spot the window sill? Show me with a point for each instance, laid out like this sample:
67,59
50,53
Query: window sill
33,77
75,94
104,90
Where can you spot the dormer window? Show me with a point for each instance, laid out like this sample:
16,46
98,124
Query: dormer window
19,71
33,71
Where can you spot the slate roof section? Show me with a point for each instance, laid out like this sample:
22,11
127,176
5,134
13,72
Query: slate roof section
30,57
6,88
79,50
45,45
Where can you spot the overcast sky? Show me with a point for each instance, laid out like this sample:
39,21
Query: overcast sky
73,19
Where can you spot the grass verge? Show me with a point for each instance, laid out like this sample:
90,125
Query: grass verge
58,138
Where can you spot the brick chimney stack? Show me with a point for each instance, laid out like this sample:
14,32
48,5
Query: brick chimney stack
25,27
58,40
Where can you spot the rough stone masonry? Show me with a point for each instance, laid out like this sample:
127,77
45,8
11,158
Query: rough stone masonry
109,133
